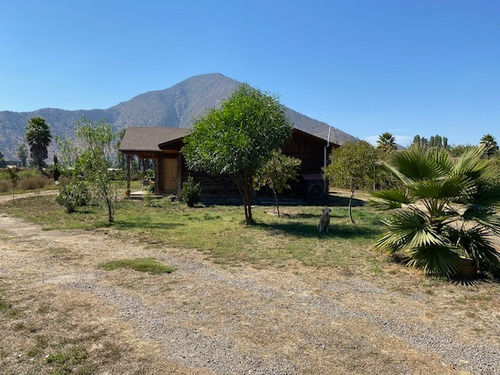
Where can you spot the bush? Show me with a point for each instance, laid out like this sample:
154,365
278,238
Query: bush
190,192
33,182
73,195
4,186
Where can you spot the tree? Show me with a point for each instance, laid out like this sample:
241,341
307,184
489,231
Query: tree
14,178
276,173
435,141
22,154
238,139
68,151
386,143
2,161
446,209
38,137
351,166
489,145
93,163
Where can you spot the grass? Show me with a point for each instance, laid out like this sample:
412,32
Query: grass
6,308
149,265
219,231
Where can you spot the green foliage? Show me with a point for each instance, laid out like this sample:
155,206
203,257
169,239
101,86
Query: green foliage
386,143
38,137
489,145
447,209
238,139
68,151
149,265
14,179
22,154
352,167
459,150
276,173
435,141
93,163
190,192
72,195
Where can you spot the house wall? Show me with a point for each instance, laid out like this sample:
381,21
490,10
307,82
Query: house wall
308,149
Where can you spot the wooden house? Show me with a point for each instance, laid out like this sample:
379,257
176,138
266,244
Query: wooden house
163,145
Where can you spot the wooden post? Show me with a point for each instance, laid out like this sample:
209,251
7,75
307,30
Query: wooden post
158,174
128,172
143,175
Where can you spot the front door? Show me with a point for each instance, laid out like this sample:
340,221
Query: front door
170,175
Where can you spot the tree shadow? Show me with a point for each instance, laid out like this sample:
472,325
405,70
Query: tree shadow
480,279
142,223
338,201
310,230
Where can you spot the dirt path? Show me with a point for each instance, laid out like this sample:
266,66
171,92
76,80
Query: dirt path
204,318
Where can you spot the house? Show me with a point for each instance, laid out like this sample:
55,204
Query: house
162,145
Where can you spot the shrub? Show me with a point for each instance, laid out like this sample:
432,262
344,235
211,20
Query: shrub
190,192
73,195
34,182
4,186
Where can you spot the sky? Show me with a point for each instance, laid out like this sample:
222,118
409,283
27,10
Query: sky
406,67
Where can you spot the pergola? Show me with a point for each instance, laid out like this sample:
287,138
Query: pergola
144,142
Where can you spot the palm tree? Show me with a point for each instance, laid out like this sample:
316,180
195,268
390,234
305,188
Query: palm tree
489,145
386,142
446,210
38,137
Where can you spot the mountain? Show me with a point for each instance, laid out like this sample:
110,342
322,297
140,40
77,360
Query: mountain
176,106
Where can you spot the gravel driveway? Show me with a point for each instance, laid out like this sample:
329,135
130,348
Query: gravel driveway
213,319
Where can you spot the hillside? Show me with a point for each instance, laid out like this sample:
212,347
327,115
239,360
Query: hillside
176,106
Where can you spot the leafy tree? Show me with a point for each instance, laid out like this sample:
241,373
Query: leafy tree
22,154
238,139
351,166
68,151
14,179
38,137
435,141
121,161
459,150
2,161
446,209
386,142
93,163
276,173
489,145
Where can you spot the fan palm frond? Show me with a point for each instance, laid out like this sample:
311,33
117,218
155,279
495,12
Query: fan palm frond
390,198
446,205
436,260
415,164
476,243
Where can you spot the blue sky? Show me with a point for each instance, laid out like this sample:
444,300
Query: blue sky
403,66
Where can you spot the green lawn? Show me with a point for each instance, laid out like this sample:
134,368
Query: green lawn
219,231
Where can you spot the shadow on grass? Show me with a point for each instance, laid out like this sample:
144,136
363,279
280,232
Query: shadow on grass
142,223
307,230
336,201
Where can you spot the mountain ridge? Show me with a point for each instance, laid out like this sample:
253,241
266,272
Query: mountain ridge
176,106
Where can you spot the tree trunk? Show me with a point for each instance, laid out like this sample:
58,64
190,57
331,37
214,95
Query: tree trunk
276,202
110,212
350,207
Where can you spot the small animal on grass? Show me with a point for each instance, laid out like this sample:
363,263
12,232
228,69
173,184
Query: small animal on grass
324,221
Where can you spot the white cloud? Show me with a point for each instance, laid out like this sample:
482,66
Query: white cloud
372,139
